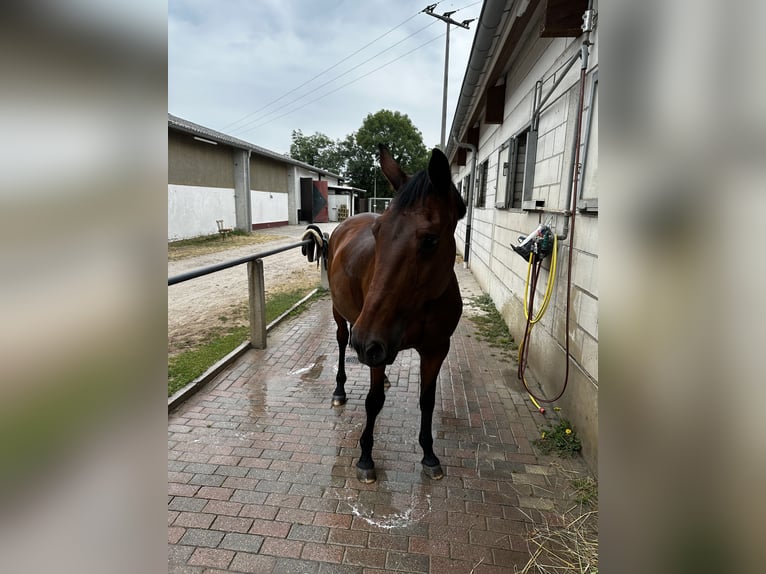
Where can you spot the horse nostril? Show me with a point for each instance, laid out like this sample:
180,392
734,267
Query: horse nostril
375,354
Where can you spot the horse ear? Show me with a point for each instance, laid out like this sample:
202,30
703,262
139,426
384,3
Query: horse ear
440,175
391,169
438,170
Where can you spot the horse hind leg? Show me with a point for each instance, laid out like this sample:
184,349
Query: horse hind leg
341,334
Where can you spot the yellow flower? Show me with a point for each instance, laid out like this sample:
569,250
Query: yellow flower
568,431
542,435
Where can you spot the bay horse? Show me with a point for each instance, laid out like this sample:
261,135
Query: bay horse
392,278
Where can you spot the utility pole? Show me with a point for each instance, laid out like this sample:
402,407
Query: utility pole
446,17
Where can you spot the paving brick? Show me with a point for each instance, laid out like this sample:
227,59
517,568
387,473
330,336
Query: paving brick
327,568
322,552
270,528
201,537
365,557
510,558
420,545
259,511
206,480
187,504
194,520
308,533
232,524
178,554
242,542
215,493
402,562
175,533
252,563
211,557
348,537
222,507
489,538
332,520
281,547
248,496
388,541
292,566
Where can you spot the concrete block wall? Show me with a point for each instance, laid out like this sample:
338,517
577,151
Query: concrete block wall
502,273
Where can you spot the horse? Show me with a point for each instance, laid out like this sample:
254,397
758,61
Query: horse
392,279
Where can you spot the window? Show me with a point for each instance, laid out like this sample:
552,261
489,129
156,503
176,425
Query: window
481,184
466,188
502,199
516,170
588,194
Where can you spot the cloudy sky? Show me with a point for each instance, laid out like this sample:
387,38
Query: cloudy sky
258,69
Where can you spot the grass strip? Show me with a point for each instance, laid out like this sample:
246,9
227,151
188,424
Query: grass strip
188,365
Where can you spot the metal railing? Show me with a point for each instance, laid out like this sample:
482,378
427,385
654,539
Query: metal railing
255,286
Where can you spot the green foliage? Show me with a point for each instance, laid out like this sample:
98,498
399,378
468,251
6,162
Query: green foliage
560,438
355,157
318,150
403,139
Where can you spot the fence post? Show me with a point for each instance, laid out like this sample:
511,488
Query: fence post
257,303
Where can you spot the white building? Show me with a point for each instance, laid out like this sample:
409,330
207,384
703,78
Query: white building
214,176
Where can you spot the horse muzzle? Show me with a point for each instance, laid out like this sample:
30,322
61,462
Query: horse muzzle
373,353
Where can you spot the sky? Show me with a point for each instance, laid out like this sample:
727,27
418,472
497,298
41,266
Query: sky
258,69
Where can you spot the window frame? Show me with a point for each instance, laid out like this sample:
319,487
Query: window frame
588,204
481,176
505,148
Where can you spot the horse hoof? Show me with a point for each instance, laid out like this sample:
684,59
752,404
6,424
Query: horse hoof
366,475
338,400
435,472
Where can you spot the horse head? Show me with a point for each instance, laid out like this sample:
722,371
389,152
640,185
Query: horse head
414,258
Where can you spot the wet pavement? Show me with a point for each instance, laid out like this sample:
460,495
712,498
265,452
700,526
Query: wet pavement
262,477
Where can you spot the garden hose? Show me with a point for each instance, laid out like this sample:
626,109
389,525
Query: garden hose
543,308
548,288
533,272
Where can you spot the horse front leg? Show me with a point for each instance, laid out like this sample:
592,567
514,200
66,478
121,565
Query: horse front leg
430,363
341,335
365,468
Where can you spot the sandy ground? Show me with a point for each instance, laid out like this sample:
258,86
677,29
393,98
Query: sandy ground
210,305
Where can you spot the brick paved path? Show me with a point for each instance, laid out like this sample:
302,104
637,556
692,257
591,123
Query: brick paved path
261,474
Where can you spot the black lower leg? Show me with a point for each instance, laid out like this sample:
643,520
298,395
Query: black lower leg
372,404
341,334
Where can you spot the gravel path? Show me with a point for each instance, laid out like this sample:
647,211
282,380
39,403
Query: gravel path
210,305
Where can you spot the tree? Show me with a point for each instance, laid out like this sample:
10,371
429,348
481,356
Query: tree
402,138
317,150
355,158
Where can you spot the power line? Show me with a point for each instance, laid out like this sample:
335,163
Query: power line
258,119
346,84
287,93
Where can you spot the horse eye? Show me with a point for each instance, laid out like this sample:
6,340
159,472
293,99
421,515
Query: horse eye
429,242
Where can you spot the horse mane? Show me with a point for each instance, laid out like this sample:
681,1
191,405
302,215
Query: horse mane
415,191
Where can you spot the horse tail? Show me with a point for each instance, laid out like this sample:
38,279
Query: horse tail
317,247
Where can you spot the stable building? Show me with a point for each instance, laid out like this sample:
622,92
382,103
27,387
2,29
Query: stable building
524,152
213,176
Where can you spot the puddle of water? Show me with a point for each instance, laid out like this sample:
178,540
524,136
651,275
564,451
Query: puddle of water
313,371
391,521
